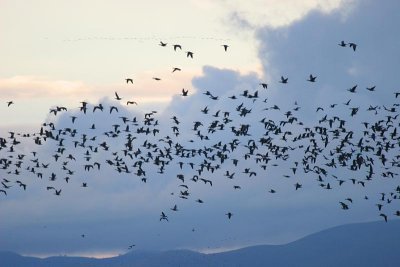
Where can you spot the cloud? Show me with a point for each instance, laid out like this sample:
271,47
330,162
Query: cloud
34,87
274,14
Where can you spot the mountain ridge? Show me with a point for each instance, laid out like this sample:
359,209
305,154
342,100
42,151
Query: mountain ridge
357,244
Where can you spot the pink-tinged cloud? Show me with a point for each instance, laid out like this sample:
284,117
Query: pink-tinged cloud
22,87
144,88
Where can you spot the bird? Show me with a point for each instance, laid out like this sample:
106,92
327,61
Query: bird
9,103
189,54
229,214
311,78
156,78
131,102
353,45
129,80
163,217
176,46
342,44
117,96
283,80
131,246
184,92
175,69
162,44
264,85
225,47
384,216
371,88
113,108
297,186
175,208
352,89
344,206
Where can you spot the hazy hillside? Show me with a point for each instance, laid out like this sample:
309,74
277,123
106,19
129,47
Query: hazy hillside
366,244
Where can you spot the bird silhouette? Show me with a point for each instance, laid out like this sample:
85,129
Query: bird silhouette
163,217
175,208
311,78
189,54
353,45
176,46
352,89
344,206
117,97
283,80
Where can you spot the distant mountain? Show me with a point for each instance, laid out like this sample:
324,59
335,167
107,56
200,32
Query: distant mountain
362,244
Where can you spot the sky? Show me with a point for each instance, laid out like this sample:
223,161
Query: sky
59,53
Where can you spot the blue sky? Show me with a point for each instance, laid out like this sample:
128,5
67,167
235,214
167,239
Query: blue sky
88,57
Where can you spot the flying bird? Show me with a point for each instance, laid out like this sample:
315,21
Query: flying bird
175,69
283,80
176,46
297,186
189,54
129,80
311,78
117,96
353,45
352,89
344,206
175,208
225,47
163,216
185,92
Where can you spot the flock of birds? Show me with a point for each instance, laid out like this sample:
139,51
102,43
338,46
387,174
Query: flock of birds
137,146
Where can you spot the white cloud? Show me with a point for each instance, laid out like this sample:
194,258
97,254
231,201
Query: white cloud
278,13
